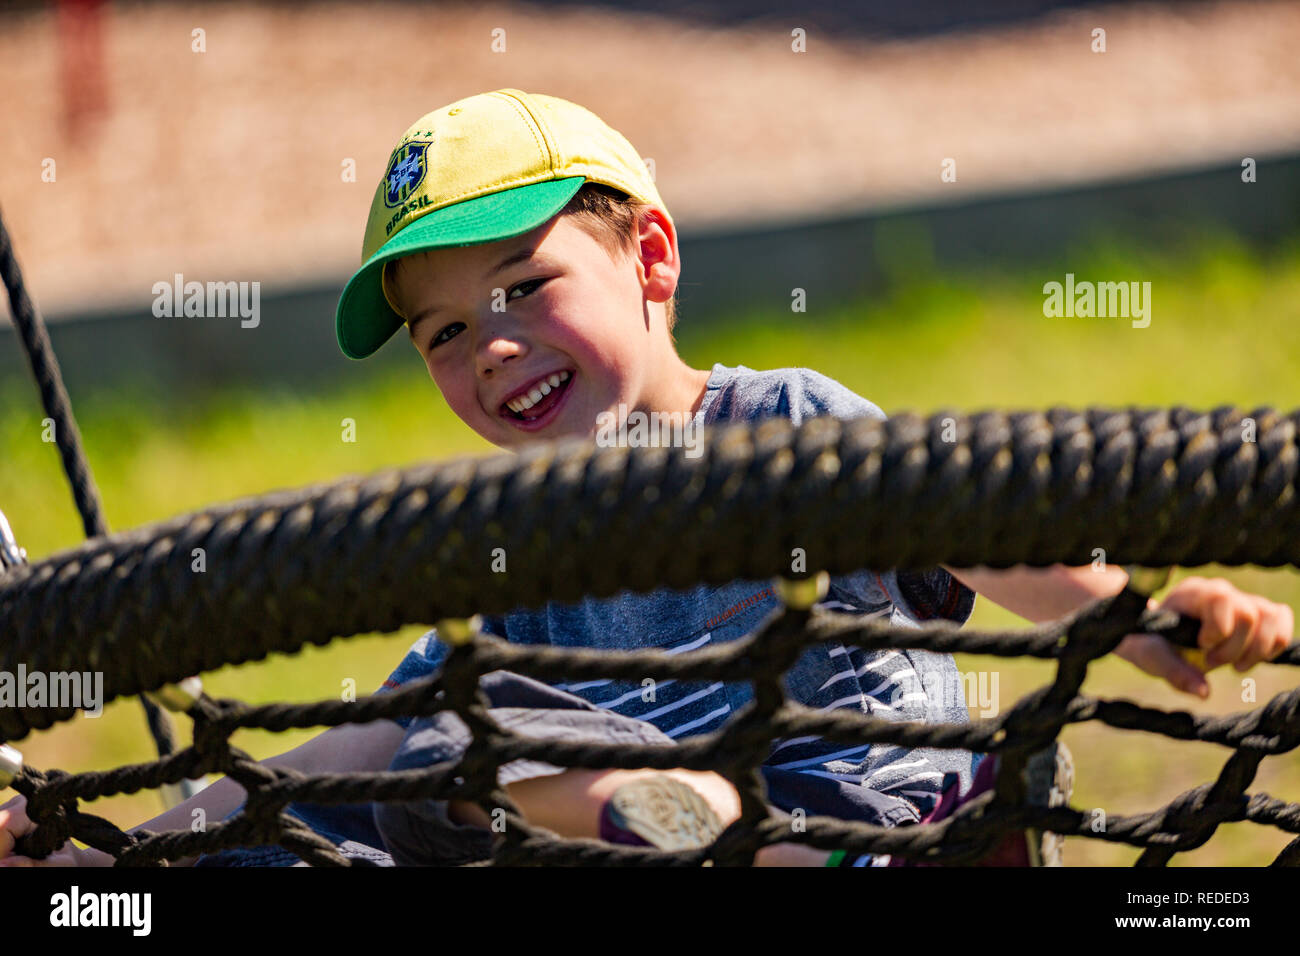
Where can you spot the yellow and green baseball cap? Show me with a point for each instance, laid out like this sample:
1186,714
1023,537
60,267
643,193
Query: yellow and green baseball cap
484,168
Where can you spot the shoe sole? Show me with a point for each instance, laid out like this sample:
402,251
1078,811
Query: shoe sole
665,812
1049,782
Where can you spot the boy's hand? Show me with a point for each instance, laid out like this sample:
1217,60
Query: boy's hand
14,823
1236,628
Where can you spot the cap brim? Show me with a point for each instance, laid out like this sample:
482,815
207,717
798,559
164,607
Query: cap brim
365,321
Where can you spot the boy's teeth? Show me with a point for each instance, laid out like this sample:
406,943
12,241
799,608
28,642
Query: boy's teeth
537,393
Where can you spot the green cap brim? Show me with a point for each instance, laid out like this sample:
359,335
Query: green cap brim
365,321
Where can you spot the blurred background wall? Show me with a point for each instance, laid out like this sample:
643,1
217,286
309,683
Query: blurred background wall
255,158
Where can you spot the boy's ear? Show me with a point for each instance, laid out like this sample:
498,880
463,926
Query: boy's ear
660,265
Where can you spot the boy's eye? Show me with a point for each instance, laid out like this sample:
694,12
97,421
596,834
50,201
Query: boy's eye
530,285
442,336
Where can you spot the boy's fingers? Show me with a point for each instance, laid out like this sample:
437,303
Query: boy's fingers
1233,649
13,824
1210,602
1264,643
1218,623
1161,659
1253,651
1232,619
1286,629
14,820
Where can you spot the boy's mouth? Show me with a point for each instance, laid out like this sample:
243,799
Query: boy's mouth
536,408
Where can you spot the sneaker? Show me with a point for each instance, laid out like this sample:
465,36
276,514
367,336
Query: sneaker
1049,782
659,811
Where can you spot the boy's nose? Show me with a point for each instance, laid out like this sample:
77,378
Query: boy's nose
495,350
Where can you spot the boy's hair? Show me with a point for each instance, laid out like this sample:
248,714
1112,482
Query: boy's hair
610,217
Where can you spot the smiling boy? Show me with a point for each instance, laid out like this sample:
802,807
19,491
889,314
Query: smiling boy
523,246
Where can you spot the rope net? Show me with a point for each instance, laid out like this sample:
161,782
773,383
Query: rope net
414,546
1154,488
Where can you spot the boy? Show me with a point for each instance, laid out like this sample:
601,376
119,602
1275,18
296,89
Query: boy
523,246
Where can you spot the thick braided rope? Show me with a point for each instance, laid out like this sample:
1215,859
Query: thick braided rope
58,408
1154,487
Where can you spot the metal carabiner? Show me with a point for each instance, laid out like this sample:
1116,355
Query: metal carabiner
11,556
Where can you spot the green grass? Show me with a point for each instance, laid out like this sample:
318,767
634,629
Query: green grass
1225,329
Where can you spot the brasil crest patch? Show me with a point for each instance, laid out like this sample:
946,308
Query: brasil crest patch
406,170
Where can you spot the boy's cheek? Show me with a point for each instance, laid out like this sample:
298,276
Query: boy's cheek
467,410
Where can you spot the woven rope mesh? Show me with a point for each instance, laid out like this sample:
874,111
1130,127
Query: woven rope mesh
1156,487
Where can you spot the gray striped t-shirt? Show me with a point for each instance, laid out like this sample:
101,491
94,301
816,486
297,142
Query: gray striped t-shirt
898,685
